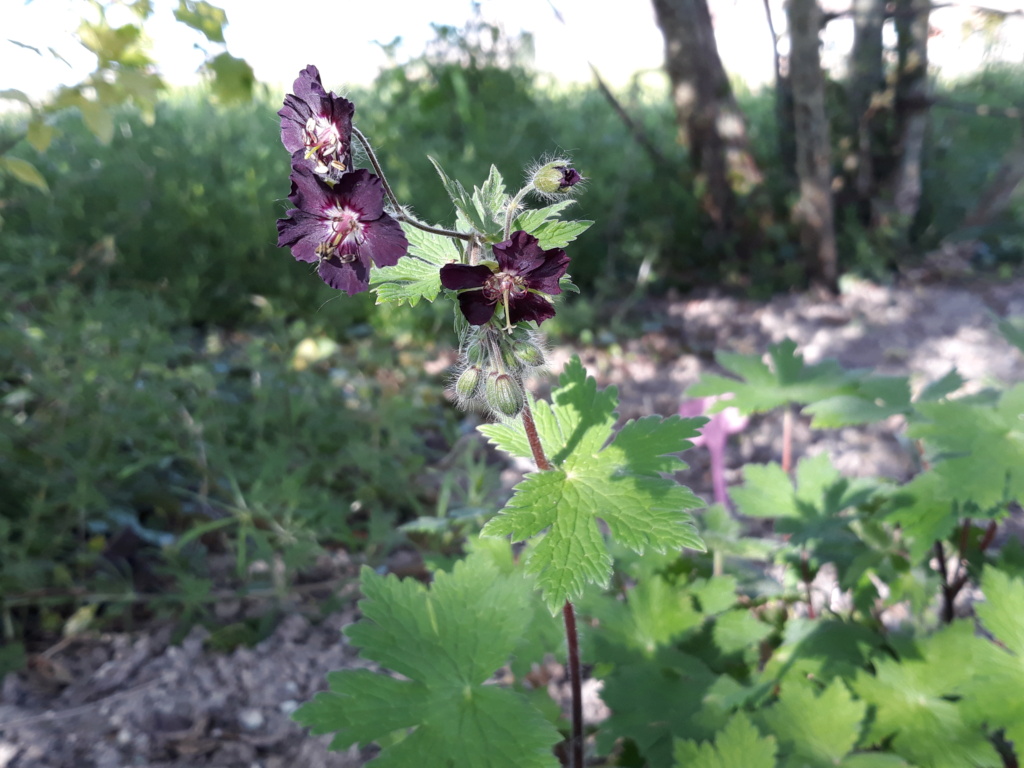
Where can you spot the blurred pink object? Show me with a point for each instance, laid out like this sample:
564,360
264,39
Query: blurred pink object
714,435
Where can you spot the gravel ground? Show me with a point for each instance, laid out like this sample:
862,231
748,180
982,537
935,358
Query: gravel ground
107,701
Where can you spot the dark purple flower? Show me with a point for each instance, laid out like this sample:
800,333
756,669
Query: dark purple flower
341,227
525,271
316,126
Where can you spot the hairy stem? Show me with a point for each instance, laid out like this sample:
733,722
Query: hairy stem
510,212
568,614
531,434
399,211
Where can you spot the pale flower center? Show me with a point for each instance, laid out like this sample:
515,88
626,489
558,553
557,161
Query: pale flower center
324,143
346,235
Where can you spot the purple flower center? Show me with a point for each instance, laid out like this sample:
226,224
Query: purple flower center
324,142
346,235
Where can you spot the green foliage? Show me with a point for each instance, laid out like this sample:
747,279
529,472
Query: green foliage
417,275
115,417
463,628
977,448
619,482
992,695
739,745
762,387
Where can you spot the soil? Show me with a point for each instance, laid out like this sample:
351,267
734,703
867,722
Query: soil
137,699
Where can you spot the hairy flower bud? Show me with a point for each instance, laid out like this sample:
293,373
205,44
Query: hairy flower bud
468,383
528,354
556,178
504,395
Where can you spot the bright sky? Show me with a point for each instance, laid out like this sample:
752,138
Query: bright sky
279,39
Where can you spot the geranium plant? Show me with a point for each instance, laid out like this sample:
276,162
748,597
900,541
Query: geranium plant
504,265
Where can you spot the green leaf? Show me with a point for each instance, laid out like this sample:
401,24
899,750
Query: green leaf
915,706
941,388
203,17
418,274
462,629
13,93
787,380
767,491
654,613
820,650
715,595
1012,329
993,697
558,234
977,448
820,729
475,211
738,745
490,200
618,482
876,398
39,134
654,701
529,220
739,630
99,119
923,508
233,78
24,172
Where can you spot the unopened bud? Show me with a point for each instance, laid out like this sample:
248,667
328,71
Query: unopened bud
468,383
528,354
556,178
504,395
475,353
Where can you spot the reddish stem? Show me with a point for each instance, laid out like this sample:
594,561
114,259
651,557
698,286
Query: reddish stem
787,439
568,613
535,447
572,640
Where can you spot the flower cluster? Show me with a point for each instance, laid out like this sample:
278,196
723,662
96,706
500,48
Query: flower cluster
338,221
493,366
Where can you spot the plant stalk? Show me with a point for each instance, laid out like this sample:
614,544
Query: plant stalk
399,211
568,614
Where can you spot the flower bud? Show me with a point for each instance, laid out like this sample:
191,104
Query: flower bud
504,395
528,354
475,353
556,178
468,383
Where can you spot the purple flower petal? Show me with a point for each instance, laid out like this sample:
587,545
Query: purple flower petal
352,278
316,126
341,227
455,277
476,308
530,307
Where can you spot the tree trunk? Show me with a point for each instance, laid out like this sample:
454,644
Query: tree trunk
708,115
783,102
813,212
911,105
866,79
